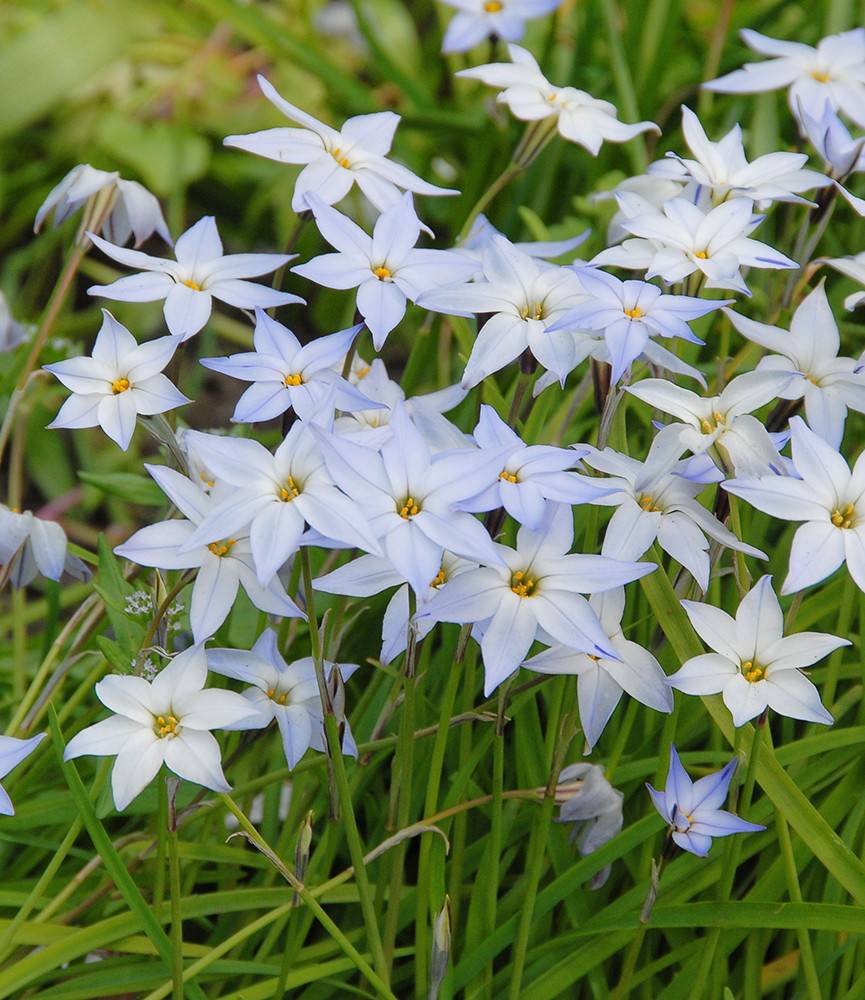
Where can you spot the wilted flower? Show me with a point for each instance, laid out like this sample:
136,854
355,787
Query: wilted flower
120,380
335,159
30,545
135,211
693,808
189,284
166,721
593,808
12,333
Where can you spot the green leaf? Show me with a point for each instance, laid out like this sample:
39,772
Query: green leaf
127,486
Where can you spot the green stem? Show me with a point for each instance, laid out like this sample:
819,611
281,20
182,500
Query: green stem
535,854
175,896
343,789
495,842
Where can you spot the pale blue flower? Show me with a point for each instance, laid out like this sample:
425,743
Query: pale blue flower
692,808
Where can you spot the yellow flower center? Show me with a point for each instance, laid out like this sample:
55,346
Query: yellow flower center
362,372
222,548
707,426
753,672
119,385
493,6
192,284
820,76
522,584
533,310
634,313
844,517
701,254
209,483
296,379
509,477
438,579
288,492
281,698
340,159
409,508
648,504
382,272
166,726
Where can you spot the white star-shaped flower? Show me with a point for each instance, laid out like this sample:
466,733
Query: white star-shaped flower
189,284
476,20
335,159
754,665
120,380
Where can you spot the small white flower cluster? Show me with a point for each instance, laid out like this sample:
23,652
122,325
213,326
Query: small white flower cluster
361,467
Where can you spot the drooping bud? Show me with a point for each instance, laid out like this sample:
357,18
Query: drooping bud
441,949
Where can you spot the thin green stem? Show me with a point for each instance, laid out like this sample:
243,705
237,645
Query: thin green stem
343,789
175,896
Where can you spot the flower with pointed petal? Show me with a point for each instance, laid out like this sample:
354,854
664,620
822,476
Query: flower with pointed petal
532,476
829,384
578,116
387,268
368,575
693,808
223,566
842,154
189,284
525,299
601,680
753,665
166,721
722,169
828,498
285,692
120,380
851,267
12,752
834,71
274,496
657,500
482,231
333,160
136,212
476,20
535,589
288,375
681,239
410,497
30,545
723,425
371,427
629,313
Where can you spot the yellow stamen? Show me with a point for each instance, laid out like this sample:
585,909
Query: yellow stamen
702,255
843,518
362,372
209,483
533,310
382,272
509,477
192,284
439,579
296,379
409,508
493,6
753,672
280,699
522,584
119,385
340,159
820,77
648,503
288,492
222,548
634,313
166,725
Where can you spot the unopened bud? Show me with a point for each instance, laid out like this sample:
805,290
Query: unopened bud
441,948
301,852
